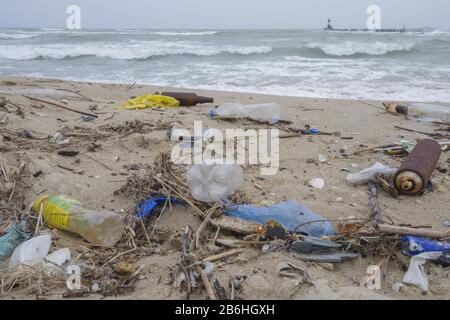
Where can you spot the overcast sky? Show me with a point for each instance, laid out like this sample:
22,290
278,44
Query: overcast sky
224,14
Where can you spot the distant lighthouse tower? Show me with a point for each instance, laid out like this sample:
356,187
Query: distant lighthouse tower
329,26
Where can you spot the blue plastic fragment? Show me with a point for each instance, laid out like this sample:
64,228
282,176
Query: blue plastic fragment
146,207
14,235
313,131
291,215
412,246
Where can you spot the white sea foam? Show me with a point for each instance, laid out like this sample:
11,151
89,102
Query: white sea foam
16,36
134,51
185,33
351,48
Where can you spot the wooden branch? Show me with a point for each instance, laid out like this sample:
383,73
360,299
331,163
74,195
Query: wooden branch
62,106
388,229
206,282
223,255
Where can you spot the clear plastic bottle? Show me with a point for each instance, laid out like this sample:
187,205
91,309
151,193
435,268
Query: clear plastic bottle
428,112
265,112
98,227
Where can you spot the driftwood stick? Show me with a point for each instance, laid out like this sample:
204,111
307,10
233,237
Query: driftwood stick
388,229
223,255
62,106
202,226
206,282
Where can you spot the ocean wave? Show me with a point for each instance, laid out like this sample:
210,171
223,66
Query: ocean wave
16,36
139,51
353,48
180,33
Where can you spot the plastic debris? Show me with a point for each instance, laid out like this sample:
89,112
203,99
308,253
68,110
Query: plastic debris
290,214
211,183
412,246
150,101
416,274
146,207
266,112
13,237
365,175
31,252
312,244
98,227
334,257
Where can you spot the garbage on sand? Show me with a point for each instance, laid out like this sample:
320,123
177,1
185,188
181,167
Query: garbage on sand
317,183
416,274
291,215
421,111
145,208
267,112
412,246
98,227
211,183
150,101
14,236
416,170
30,252
188,99
365,175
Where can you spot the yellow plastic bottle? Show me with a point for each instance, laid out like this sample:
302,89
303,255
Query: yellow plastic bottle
98,227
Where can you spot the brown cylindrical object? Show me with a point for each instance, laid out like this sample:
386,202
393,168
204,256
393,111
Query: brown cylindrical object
415,172
188,99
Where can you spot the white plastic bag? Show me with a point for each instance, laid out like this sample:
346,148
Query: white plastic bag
210,183
365,175
415,274
31,252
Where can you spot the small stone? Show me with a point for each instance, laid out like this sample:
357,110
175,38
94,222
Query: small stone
339,199
317,183
64,101
310,160
322,158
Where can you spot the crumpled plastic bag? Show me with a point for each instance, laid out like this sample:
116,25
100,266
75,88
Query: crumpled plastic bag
365,175
415,274
150,101
211,183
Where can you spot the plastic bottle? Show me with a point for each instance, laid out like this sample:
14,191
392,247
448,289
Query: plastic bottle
210,183
188,99
426,112
31,252
266,112
98,227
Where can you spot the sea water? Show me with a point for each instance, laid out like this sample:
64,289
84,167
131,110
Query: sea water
310,63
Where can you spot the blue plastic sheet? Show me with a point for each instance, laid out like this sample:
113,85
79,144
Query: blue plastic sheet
291,215
146,207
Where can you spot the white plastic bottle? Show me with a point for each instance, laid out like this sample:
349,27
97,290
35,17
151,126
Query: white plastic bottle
265,112
428,112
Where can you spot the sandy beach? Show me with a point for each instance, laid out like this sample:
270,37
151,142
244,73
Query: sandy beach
102,167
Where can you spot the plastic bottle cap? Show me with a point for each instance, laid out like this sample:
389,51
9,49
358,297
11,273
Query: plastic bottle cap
212,113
